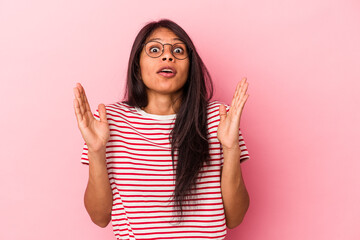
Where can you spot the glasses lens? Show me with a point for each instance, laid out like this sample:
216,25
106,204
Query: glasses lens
153,49
180,51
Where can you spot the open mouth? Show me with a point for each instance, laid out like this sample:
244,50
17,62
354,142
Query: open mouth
167,72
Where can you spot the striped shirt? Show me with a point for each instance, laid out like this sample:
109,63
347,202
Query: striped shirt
139,165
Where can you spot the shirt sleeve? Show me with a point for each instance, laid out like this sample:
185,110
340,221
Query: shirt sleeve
84,156
244,151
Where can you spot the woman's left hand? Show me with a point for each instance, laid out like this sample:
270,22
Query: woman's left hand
228,129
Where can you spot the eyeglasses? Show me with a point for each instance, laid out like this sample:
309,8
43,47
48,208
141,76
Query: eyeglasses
155,49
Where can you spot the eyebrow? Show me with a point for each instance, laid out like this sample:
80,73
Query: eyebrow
161,39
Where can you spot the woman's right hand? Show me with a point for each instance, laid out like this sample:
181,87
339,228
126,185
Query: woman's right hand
94,132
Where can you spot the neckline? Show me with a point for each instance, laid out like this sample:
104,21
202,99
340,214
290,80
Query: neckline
155,116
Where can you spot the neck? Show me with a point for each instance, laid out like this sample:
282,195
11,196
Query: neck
163,104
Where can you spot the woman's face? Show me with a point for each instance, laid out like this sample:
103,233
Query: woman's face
161,82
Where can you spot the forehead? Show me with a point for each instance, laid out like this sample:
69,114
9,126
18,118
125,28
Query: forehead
163,35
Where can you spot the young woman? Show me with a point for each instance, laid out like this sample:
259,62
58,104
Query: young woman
165,162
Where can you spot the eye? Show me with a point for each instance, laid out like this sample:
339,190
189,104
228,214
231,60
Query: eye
154,49
178,50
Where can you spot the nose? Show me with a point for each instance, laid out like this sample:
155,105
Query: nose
167,54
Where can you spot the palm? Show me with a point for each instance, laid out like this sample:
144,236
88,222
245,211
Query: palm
95,132
228,131
228,128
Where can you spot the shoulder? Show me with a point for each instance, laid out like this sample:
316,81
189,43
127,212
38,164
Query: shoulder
213,116
213,109
216,104
118,106
120,109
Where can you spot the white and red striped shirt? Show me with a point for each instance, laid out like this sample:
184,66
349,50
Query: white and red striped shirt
139,164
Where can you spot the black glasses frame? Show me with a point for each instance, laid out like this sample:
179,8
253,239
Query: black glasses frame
163,47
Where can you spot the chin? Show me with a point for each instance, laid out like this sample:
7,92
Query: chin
165,91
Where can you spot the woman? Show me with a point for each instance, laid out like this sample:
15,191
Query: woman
166,150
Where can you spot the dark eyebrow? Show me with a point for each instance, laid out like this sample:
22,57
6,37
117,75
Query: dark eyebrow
161,39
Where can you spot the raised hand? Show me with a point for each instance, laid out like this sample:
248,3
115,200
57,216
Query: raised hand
228,129
94,132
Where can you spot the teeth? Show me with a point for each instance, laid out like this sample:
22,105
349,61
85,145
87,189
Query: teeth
167,70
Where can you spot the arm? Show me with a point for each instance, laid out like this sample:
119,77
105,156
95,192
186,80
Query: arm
235,196
233,190
98,197
96,133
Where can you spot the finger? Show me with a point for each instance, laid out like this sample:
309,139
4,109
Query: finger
80,100
244,88
243,93
85,100
240,97
86,104
244,100
243,81
102,113
80,87
222,112
238,87
236,95
78,114
81,92
233,102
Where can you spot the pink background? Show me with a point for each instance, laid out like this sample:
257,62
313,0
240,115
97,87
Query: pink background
300,123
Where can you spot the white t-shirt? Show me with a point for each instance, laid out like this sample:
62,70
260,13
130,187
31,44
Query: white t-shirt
139,164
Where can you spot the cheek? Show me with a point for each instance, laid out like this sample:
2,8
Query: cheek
144,68
186,70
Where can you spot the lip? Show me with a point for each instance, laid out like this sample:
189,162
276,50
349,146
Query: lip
169,67
167,75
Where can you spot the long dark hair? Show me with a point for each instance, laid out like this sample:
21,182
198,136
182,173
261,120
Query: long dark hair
189,135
